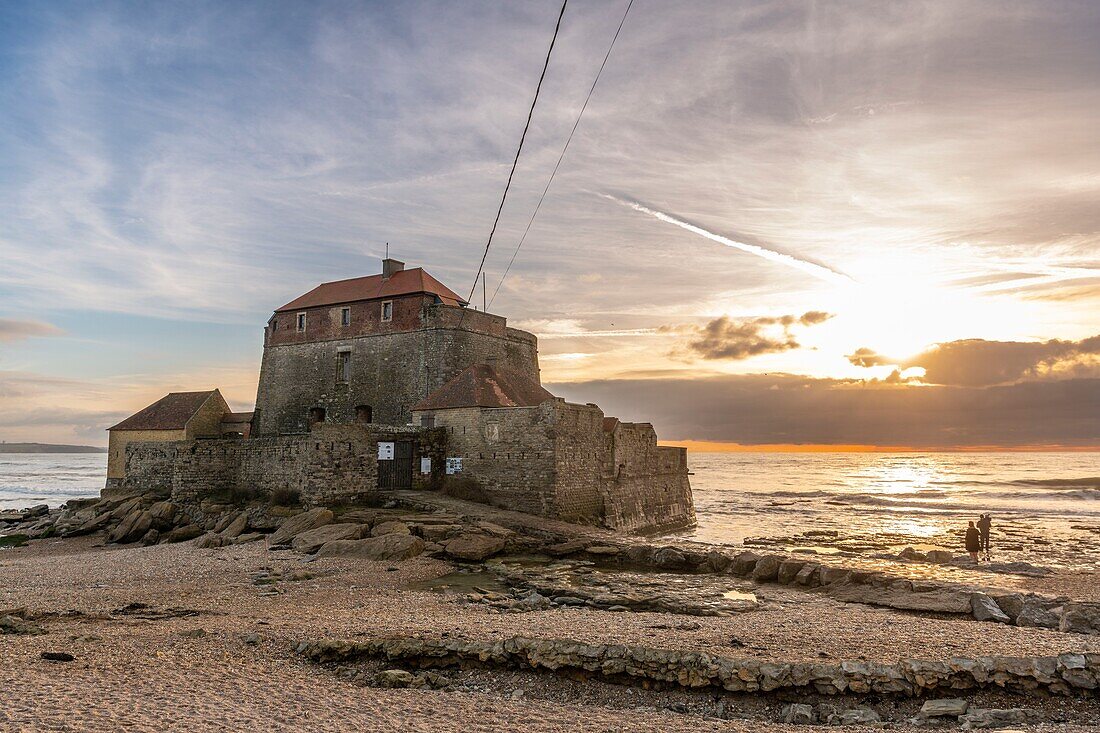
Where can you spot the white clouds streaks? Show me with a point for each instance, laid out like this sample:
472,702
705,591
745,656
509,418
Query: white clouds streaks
819,271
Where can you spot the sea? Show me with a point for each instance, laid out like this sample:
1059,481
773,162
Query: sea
895,499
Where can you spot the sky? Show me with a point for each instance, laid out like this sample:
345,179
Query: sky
779,223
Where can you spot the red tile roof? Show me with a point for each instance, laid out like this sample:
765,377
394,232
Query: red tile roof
405,282
481,385
170,412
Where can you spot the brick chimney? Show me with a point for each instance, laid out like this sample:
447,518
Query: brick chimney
391,266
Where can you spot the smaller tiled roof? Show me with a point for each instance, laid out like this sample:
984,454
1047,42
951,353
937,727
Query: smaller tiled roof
237,417
403,282
481,385
170,412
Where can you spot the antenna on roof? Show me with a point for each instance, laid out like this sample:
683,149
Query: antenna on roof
387,250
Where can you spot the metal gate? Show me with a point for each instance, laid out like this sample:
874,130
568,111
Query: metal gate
397,473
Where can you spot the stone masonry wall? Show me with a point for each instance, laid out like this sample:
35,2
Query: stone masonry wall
389,371
580,452
646,486
331,464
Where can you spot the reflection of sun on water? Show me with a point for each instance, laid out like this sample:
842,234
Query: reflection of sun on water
910,527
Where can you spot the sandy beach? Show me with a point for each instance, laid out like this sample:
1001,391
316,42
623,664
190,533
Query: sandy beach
173,637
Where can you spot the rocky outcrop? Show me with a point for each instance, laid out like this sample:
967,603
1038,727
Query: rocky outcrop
312,540
474,547
300,523
386,547
1065,674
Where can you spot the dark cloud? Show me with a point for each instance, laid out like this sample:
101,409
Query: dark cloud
741,338
981,363
762,409
13,330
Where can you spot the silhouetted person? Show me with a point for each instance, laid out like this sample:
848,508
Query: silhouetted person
973,542
984,525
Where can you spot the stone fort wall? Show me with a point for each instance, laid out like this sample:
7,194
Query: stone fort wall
389,371
330,465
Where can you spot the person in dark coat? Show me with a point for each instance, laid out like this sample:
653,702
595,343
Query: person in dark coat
984,525
973,542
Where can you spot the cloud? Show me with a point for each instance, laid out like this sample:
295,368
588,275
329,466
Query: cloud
728,338
13,330
768,409
980,363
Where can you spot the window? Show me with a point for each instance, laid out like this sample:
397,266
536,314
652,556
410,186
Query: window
364,413
316,415
387,310
345,316
301,322
427,421
343,366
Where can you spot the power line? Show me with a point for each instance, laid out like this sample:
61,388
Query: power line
563,150
508,185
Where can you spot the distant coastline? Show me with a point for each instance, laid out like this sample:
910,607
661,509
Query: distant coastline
48,448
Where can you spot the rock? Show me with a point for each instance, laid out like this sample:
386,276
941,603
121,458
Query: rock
386,547
606,550
859,716
150,538
132,528
945,708
252,639
311,541
831,576
11,623
566,548
163,514
494,530
13,540
744,563
193,633
797,713
299,523
389,528
1011,604
1080,617
669,557
58,656
789,570
394,678
978,718
182,534
248,537
718,562
473,547
910,554
237,527
943,600
808,575
939,557
767,569
438,532
92,525
125,508
985,608
38,510
211,540
1035,615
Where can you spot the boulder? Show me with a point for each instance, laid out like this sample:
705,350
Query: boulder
831,576
670,557
859,716
210,540
943,600
182,534
92,525
389,528
163,513
718,562
945,708
1080,617
150,538
394,678
249,537
789,570
744,564
474,547
237,527
767,569
564,548
387,547
910,554
808,575
438,532
124,509
299,523
939,557
797,713
132,528
985,608
310,541
1011,604
978,718
1035,615
38,510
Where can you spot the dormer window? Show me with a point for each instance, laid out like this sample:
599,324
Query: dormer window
387,310
301,322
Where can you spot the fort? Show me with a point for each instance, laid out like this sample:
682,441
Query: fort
392,382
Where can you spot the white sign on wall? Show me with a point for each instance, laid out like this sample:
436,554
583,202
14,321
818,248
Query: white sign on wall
426,464
454,465
385,451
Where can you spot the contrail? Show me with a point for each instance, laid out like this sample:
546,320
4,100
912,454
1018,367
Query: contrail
810,268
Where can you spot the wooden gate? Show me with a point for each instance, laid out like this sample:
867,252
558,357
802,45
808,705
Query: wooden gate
397,473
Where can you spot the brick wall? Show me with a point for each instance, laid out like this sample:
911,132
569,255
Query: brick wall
645,487
389,371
